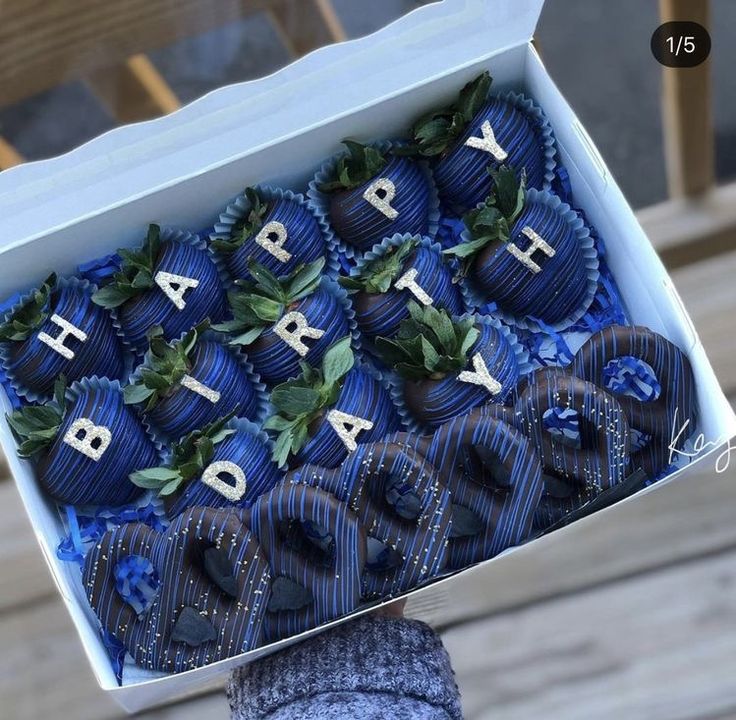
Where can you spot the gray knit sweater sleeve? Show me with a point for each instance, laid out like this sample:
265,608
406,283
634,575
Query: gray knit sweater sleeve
373,668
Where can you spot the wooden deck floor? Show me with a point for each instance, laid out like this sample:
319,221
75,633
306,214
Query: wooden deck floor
642,626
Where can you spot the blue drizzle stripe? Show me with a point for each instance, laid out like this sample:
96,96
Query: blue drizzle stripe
434,402
360,224
153,307
305,242
34,366
674,409
70,477
183,583
363,396
275,361
361,483
252,455
335,589
552,294
505,505
219,369
461,176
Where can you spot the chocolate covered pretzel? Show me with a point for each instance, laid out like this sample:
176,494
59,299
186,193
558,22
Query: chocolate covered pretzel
669,418
574,474
207,584
308,589
495,479
418,538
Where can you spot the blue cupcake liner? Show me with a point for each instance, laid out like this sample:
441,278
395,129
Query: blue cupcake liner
251,375
320,201
474,299
27,395
396,382
340,295
544,129
240,207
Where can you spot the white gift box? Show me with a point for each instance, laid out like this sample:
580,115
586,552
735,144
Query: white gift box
181,170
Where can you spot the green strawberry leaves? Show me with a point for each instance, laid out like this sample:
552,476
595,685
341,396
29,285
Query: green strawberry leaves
429,344
36,426
302,400
378,275
257,305
492,221
30,315
246,227
358,166
135,275
165,366
189,458
436,131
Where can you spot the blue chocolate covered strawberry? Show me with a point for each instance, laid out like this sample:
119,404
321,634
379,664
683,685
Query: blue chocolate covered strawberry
400,269
370,194
463,138
529,253
325,412
56,330
226,463
449,365
188,383
168,282
275,229
86,442
279,323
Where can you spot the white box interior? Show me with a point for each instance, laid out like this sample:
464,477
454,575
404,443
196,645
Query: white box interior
199,180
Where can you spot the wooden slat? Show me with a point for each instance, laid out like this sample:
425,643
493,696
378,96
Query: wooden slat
707,289
134,90
305,25
686,111
9,156
657,647
687,230
47,43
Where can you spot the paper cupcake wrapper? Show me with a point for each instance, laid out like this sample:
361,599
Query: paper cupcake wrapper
474,298
30,396
396,382
251,376
319,201
543,128
240,207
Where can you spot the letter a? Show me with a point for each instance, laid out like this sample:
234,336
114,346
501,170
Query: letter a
481,376
174,287
57,343
347,427
87,438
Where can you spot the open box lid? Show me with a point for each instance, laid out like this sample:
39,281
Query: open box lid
235,120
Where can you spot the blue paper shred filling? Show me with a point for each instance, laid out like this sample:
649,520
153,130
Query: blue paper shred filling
85,530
